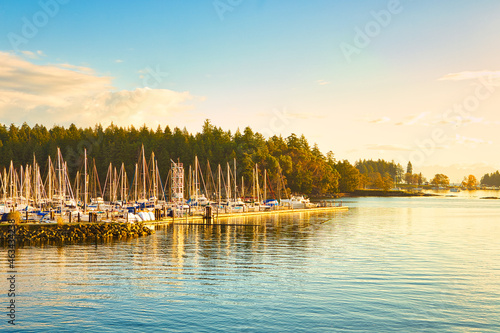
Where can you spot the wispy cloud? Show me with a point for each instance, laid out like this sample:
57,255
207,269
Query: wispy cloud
118,61
32,55
414,119
322,82
82,69
463,140
372,120
471,75
301,115
66,93
381,120
461,120
390,147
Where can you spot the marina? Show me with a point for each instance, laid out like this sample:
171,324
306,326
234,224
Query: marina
30,196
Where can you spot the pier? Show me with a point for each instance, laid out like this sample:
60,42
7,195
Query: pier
216,217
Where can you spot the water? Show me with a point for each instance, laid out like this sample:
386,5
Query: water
386,265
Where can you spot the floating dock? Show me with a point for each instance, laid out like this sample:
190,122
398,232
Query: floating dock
216,217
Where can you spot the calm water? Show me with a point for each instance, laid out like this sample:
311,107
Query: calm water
389,264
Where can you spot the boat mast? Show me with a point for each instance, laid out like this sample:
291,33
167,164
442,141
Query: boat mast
219,171
257,182
228,194
143,172
265,185
86,181
136,181
234,175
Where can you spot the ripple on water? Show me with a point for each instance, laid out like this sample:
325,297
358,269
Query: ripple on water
400,264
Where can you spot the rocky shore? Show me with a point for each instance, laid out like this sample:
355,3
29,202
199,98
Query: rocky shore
74,232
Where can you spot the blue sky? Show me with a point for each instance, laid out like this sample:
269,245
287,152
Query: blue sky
420,85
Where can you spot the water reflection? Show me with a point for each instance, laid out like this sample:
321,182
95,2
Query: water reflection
388,264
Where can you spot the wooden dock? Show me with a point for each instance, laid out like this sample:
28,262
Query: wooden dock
216,217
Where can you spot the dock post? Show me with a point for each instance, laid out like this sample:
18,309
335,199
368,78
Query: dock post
78,217
69,217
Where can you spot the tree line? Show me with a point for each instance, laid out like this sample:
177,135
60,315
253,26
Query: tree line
491,179
290,161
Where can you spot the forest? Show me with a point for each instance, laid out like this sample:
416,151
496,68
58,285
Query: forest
491,179
291,161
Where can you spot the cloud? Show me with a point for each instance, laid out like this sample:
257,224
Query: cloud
471,75
322,82
381,120
461,120
391,147
63,94
299,115
412,120
463,140
33,55
118,61
82,69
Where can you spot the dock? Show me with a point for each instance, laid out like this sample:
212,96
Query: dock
215,216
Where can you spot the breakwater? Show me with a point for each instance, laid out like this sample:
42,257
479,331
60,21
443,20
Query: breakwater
74,232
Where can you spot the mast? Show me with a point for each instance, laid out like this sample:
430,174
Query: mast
136,181
257,182
123,175
242,187
228,194
153,175
265,185
254,187
77,181
235,182
157,182
218,178
86,181
144,172
35,181
50,180
196,178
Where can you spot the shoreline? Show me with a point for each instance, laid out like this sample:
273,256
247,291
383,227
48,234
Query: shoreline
375,193
83,231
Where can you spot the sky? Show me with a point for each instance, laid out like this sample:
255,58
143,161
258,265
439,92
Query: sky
399,80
